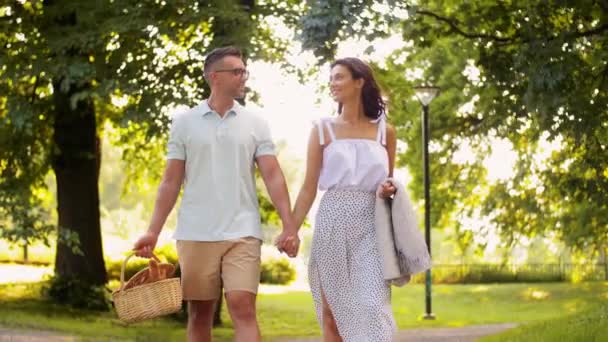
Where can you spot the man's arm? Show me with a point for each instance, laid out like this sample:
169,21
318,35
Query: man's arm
277,189
168,191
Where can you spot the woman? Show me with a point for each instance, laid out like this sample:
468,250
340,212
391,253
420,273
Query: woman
349,157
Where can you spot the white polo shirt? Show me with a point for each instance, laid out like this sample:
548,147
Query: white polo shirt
219,200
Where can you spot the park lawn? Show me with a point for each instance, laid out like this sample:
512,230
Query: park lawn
459,305
292,314
588,326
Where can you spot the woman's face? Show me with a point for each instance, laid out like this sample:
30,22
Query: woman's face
342,85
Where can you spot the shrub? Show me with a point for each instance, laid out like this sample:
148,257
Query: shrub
76,293
493,273
277,271
167,252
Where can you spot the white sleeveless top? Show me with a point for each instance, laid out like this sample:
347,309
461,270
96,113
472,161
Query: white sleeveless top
353,163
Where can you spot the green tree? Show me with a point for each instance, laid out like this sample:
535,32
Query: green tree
67,67
530,73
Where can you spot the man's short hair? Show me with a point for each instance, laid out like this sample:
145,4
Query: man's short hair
217,54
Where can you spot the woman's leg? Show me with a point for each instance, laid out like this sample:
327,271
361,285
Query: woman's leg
330,329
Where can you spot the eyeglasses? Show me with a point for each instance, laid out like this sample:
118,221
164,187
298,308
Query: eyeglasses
244,73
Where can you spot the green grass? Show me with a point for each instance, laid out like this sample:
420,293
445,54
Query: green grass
588,326
22,308
459,305
38,253
292,314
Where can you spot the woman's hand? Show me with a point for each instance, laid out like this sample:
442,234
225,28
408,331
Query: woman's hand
288,242
387,190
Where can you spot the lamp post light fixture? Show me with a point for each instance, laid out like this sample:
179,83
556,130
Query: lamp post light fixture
425,95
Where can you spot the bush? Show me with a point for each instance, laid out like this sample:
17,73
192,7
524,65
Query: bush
77,294
494,273
168,253
277,271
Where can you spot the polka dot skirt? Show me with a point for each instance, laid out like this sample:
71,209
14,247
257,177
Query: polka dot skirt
345,266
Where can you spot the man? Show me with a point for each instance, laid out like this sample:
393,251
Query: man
212,149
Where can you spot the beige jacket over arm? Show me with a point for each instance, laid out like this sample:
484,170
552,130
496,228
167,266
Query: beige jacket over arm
401,245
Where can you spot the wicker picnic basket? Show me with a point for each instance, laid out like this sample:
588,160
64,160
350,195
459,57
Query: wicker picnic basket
148,300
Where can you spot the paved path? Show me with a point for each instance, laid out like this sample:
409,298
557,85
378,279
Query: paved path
462,334
14,335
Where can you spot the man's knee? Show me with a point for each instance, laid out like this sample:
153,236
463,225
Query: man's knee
201,311
241,305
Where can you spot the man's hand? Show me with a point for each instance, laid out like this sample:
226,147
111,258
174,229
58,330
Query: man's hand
288,242
145,245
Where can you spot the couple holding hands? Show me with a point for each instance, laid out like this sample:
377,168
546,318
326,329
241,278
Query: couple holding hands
213,150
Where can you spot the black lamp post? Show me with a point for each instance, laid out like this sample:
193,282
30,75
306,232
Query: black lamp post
425,95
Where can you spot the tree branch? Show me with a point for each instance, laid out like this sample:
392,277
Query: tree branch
454,26
34,90
453,23
598,30
604,6
603,76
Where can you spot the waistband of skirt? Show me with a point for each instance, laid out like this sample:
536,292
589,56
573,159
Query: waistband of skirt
350,190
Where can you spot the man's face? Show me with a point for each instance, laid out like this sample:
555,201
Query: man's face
229,77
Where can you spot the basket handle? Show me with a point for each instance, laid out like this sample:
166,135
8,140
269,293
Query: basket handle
124,265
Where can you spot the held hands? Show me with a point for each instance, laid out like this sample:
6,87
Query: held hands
144,246
386,189
288,242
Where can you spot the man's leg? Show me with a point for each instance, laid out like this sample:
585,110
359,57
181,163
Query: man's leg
241,276
200,320
200,276
241,306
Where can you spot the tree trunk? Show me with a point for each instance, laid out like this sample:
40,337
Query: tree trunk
76,162
26,258
603,251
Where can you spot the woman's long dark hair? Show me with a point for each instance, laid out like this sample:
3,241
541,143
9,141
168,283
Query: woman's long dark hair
373,104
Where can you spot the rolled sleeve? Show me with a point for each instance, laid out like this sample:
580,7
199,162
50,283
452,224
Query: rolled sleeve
176,148
264,144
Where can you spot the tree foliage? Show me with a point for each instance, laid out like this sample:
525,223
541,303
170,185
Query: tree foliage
137,59
69,67
532,75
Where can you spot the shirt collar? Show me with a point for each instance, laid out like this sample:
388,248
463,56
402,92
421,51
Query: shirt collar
236,108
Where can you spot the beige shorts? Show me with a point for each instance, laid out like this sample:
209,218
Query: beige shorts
205,264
